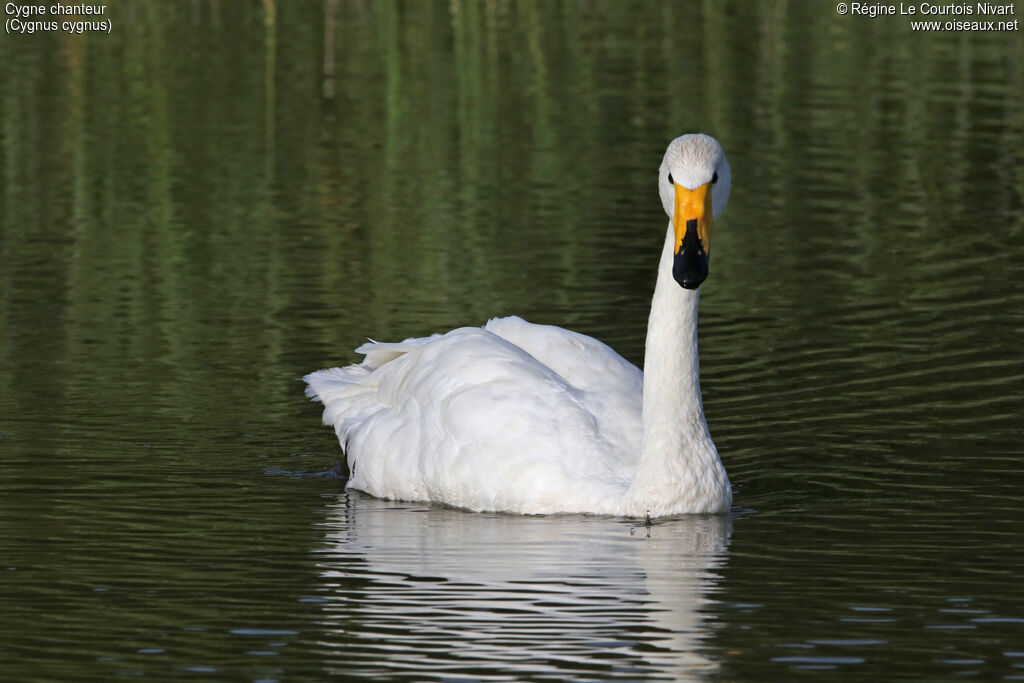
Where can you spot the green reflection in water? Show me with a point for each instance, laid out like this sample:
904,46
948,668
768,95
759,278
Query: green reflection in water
218,197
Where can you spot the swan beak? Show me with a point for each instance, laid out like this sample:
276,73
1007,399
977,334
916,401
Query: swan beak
692,218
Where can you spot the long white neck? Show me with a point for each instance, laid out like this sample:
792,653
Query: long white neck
680,470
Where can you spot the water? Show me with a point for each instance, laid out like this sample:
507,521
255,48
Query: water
207,203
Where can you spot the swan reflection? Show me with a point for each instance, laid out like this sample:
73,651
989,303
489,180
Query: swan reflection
440,592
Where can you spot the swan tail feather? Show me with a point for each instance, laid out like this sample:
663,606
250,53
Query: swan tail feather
381,353
347,394
350,393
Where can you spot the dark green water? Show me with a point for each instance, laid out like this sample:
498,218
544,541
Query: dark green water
219,197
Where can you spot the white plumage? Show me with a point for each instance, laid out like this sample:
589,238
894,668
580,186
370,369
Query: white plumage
535,419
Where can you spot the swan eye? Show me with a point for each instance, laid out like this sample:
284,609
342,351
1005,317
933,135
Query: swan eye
714,178
670,182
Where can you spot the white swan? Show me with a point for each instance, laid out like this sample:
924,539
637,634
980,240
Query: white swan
536,419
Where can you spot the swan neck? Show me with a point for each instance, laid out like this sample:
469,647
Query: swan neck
679,465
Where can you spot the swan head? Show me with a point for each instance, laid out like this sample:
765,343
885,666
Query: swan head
694,183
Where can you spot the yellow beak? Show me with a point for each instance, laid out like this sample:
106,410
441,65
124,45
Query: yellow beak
692,218
693,205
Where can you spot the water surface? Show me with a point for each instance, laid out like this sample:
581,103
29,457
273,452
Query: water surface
215,199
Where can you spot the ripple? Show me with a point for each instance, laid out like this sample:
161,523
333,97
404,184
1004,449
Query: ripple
819,660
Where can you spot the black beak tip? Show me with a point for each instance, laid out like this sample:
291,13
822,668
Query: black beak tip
690,269
690,266
690,284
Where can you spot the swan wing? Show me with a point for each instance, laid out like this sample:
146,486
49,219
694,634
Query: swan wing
472,419
608,385
584,362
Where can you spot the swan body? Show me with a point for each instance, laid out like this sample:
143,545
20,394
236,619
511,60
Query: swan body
536,419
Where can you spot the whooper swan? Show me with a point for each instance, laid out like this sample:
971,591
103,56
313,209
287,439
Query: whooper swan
536,419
